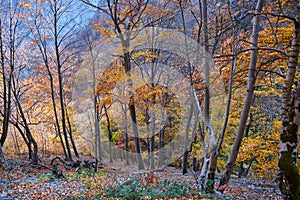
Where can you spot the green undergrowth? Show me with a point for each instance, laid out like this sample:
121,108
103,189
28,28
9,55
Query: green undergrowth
134,188
137,189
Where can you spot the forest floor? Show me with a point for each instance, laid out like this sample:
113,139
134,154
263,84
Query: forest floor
24,181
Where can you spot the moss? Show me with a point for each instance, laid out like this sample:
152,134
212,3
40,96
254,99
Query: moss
291,173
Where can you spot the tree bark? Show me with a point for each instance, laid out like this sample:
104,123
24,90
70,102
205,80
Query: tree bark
186,136
32,154
124,109
71,134
3,158
161,141
109,134
212,139
98,144
208,126
248,98
288,151
152,143
150,137
57,123
127,66
7,81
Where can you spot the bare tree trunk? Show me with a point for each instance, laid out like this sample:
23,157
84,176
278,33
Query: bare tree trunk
127,66
216,151
59,73
3,158
248,99
71,133
205,158
212,139
137,143
33,155
7,81
126,135
184,163
98,144
132,111
150,137
186,138
43,48
109,134
57,123
152,143
161,150
288,151
208,126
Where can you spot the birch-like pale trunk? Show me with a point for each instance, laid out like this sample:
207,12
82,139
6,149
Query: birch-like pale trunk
288,153
207,66
208,127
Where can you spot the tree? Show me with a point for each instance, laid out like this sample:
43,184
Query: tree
288,151
108,81
56,11
28,137
98,146
14,62
125,17
7,18
41,40
248,98
216,151
57,50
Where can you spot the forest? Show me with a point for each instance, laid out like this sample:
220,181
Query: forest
149,99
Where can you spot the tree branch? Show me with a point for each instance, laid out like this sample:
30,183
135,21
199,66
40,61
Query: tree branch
258,48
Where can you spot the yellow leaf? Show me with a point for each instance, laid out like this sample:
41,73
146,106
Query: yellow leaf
25,4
